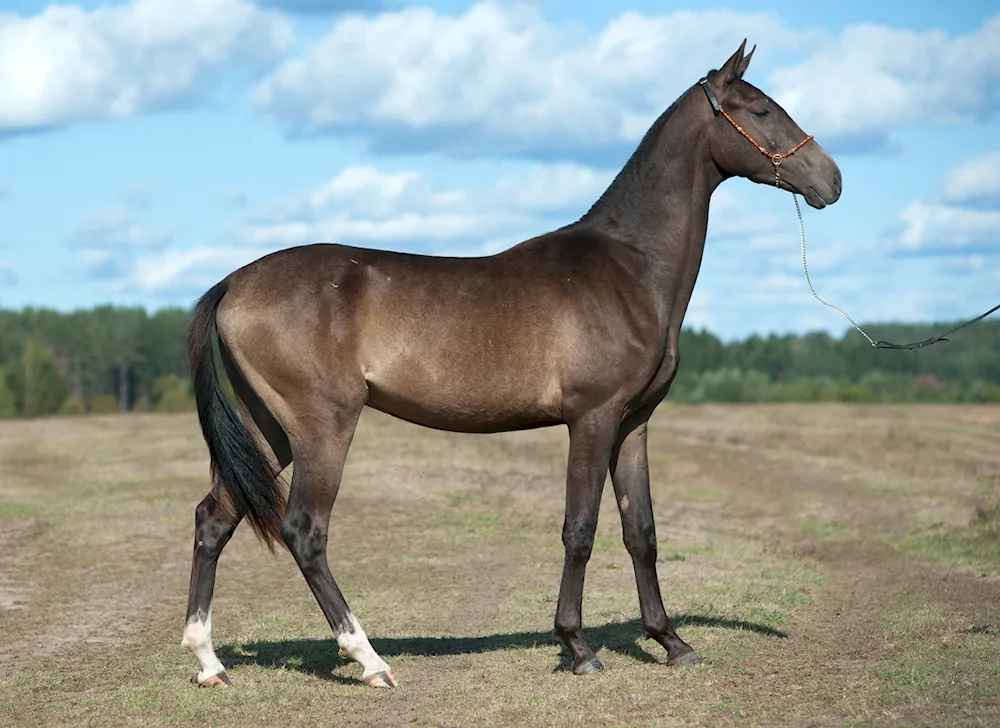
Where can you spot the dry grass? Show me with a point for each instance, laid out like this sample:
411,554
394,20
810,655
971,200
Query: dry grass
834,565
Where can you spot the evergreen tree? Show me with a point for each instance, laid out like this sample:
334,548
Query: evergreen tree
35,382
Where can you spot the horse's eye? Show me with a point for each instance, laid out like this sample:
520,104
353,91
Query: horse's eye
760,112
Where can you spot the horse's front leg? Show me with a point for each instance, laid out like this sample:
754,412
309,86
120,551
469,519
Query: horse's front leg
591,439
630,477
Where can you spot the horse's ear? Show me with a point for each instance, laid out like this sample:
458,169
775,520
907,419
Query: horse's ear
732,70
745,63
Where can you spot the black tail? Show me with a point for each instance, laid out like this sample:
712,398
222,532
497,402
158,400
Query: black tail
238,465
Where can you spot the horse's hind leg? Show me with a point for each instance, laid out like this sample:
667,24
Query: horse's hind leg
319,465
213,529
214,526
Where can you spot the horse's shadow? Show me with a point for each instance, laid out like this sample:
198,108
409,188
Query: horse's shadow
319,657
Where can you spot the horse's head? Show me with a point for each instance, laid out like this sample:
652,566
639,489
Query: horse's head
752,136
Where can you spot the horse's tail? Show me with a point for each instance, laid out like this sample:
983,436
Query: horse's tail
238,464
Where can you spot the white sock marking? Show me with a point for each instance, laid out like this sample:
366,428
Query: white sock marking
359,649
198,639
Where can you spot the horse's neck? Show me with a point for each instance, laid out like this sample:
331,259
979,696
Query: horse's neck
658,206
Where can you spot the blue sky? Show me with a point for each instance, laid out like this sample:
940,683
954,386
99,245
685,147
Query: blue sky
149,148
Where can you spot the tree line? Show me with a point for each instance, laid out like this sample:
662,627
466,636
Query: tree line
121,359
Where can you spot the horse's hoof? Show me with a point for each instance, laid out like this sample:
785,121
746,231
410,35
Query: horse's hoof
590,666
384,679
216,681
688,659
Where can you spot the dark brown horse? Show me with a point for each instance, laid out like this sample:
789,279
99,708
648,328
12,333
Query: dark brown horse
577,327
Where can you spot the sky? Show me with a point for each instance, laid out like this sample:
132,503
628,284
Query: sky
149,148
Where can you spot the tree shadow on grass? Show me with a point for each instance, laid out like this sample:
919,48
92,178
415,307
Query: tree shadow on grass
319,657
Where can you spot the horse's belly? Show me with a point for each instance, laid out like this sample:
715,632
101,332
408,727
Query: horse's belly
463,399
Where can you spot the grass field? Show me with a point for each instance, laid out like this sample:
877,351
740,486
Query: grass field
833,565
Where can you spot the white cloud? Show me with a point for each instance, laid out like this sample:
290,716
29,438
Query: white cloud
67,64
110,239
963,223
184,271
499,79
360,190
964,264
729,216
935,227
326,6
975,180
872,78
364,205
115,227
553,187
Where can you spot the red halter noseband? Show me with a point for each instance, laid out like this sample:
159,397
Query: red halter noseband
775,158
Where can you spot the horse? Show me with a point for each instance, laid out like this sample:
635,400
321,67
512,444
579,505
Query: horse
576,327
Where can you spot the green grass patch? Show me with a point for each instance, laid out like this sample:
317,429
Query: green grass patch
975,547
828,530
14,509
730,708
460,524
936,659
760,598
674,556
657,456
688,493
458,499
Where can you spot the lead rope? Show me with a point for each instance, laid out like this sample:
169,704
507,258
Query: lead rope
875,344
805,267
776,160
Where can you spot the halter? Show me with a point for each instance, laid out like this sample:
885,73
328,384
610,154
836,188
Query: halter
776,158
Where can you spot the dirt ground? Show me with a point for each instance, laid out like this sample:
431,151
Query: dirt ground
833,565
